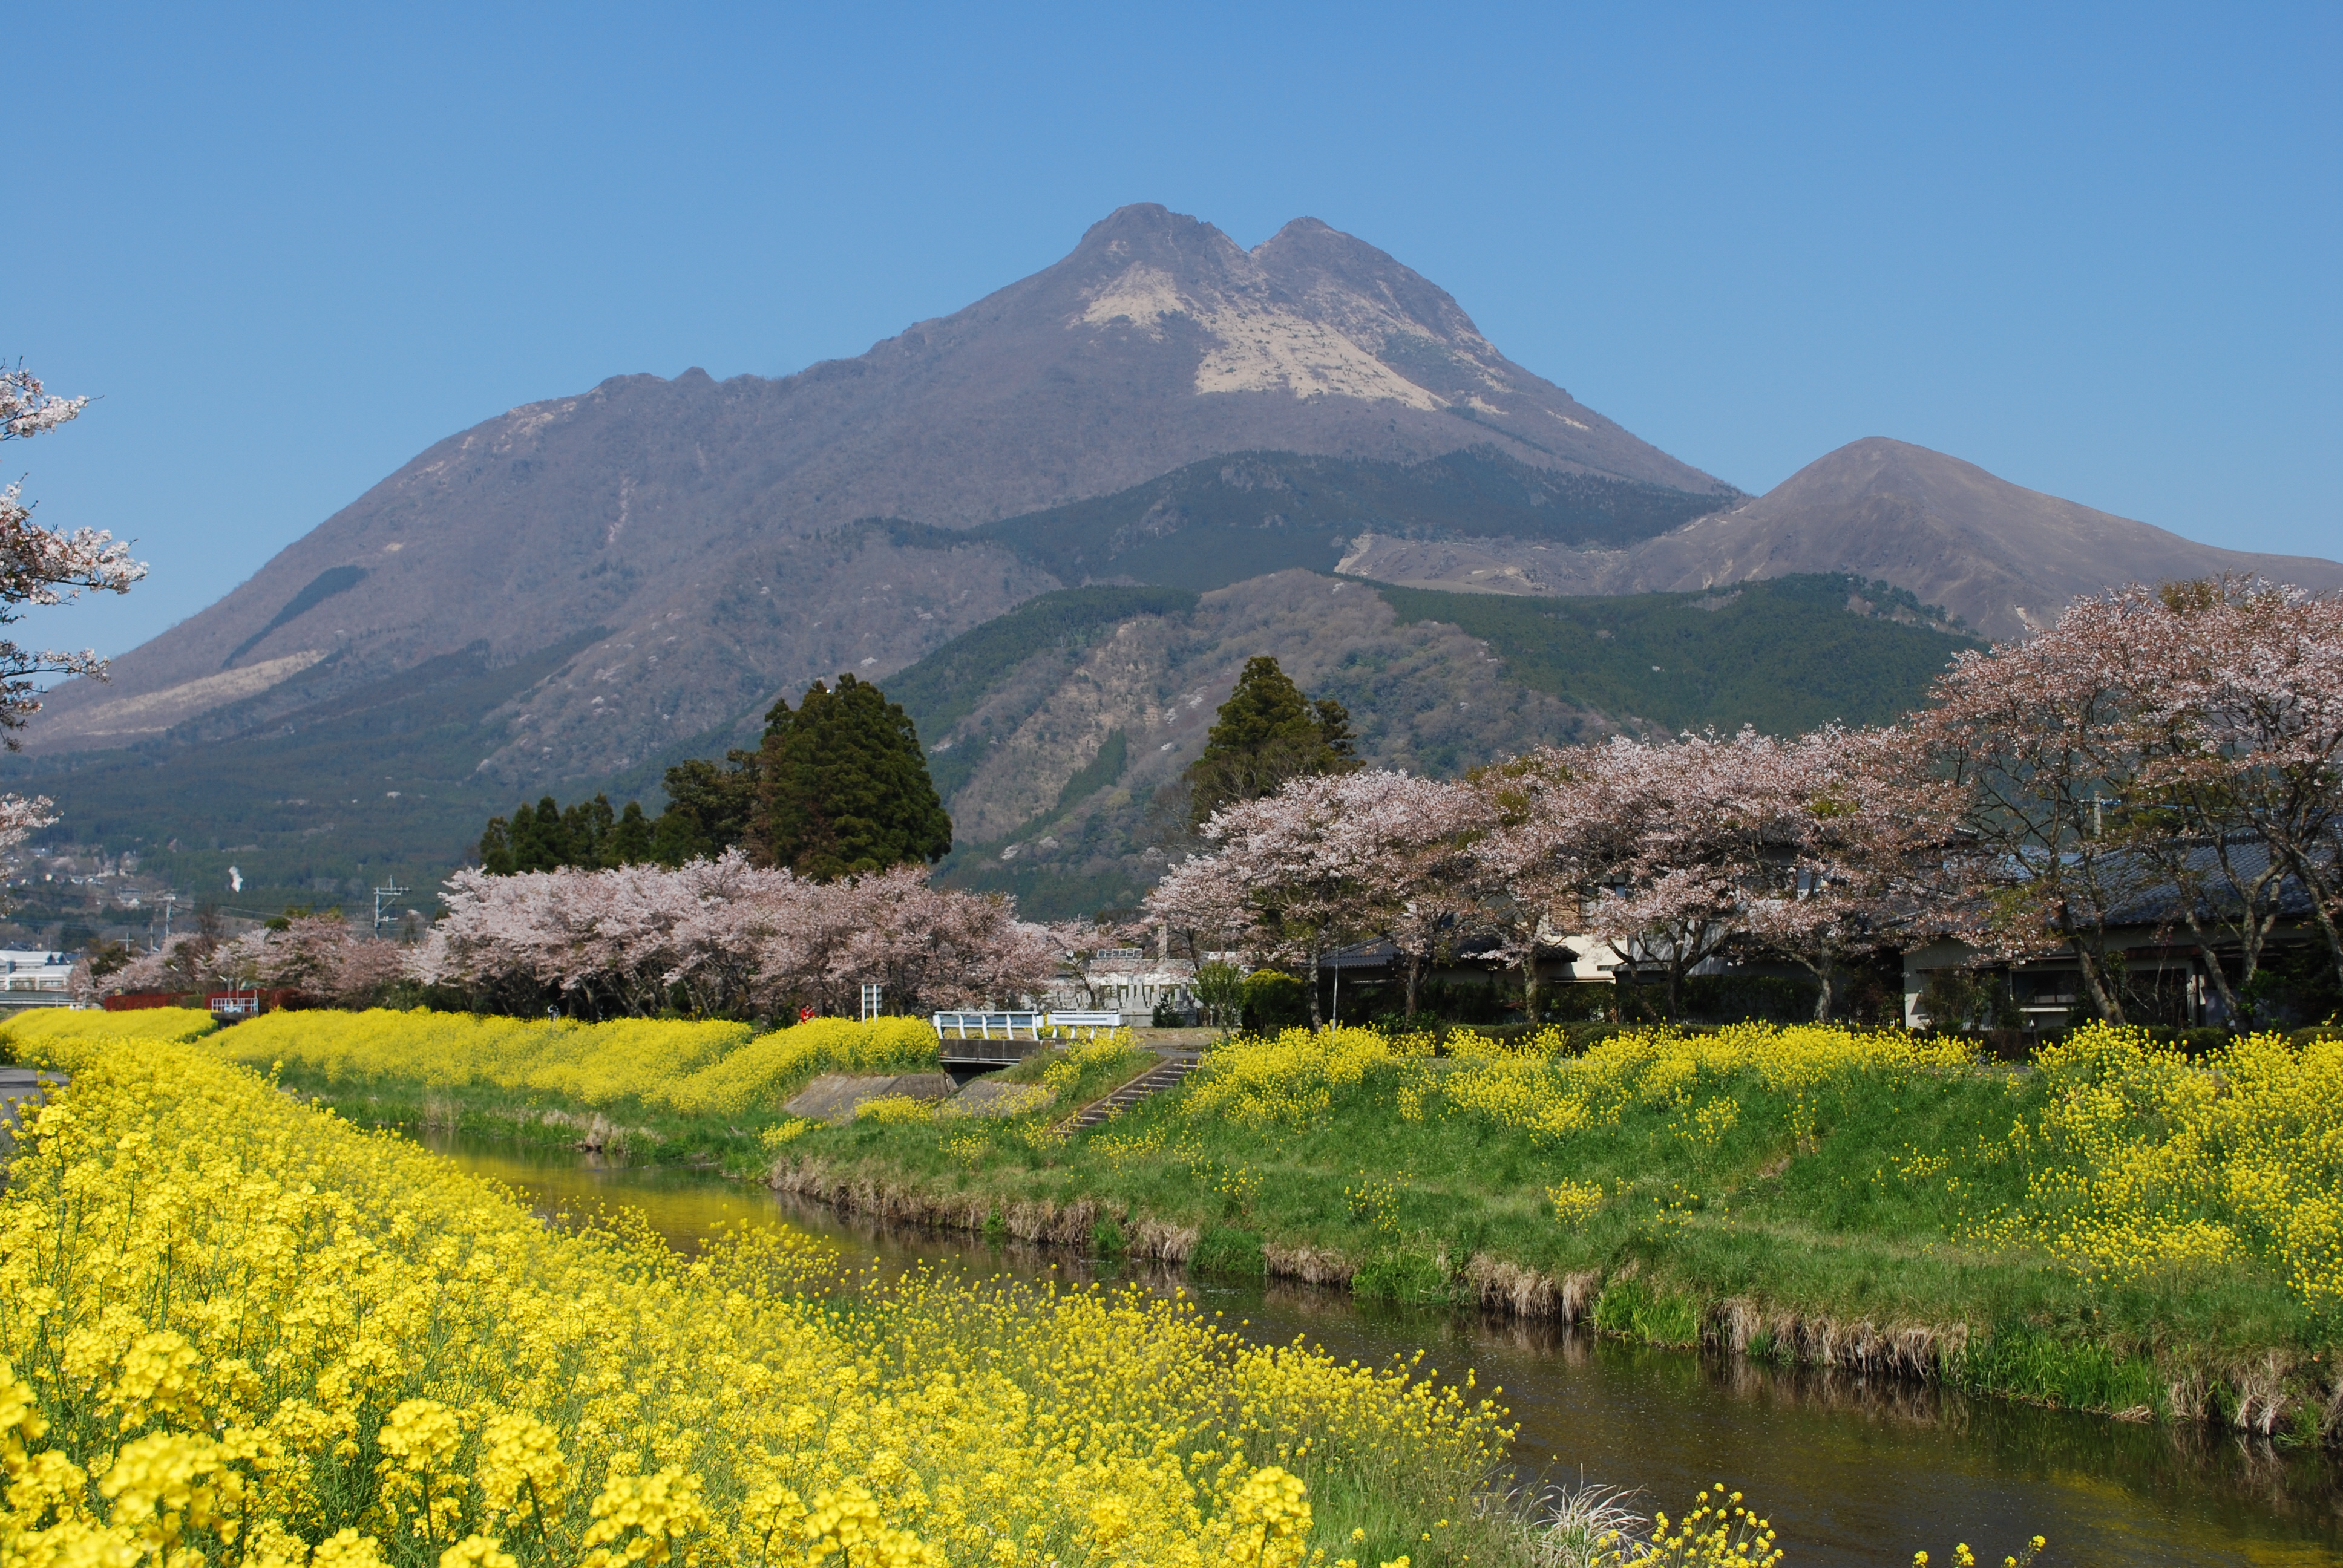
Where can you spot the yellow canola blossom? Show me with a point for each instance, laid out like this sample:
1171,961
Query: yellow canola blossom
2139,1159
235,1329
1291,1078
1574,1203
895,1110
1074,1060
33,1032
715,1069
1536,1088
2143,1159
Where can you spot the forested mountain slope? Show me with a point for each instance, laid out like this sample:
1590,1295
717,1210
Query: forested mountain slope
1055,743
1161,445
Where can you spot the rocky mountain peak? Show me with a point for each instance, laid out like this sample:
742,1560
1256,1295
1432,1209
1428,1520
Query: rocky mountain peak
697,524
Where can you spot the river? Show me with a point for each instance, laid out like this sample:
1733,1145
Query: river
1850,1471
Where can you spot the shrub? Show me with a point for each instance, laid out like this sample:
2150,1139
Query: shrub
1274,1000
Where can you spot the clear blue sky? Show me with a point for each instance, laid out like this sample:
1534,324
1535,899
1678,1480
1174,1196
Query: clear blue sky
2093,249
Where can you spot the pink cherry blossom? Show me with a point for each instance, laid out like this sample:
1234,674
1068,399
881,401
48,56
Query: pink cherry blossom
43,566
726,938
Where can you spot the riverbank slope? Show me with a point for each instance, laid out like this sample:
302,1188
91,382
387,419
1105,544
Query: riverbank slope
2115,1229
2087,1234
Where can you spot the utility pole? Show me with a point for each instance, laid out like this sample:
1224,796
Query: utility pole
170,901
384,897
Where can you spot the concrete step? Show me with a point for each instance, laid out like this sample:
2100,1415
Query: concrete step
1154,1081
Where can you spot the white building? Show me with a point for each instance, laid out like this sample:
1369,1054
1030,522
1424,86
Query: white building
1129,980
34,979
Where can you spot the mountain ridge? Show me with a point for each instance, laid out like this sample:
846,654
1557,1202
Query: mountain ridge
2005,559
1156,342
586,588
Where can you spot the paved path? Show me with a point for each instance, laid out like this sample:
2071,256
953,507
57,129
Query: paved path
21,1090
29,1085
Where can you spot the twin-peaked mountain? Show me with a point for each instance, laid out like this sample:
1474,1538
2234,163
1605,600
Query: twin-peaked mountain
686,520
584,589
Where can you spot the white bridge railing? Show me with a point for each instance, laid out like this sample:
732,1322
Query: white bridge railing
997,1036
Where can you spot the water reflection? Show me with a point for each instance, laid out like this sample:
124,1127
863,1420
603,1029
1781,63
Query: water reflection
1852,1470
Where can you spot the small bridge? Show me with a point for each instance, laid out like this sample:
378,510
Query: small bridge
969,1043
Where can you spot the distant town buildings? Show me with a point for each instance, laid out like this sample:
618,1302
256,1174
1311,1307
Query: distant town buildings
34,978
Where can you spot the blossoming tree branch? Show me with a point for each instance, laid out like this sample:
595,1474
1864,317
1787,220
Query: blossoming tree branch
42,565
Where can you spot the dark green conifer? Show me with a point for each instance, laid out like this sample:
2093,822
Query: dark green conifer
840,785
585,829
495,848
1264,734
844,786
539,842
708,807
587,836
629,843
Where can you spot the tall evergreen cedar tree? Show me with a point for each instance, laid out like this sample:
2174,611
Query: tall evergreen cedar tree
844,786
1264,734
548,837
839,786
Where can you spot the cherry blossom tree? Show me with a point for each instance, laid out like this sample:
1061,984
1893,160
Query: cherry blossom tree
180,965
316,955
1090,950
1527,868
1682,838
2242,784
929,946
2045,734
1281,866
40,566
1425,866
725,938
1859,864
1327,859
1202,899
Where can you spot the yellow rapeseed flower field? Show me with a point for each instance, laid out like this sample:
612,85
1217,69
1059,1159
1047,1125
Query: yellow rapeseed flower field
234,1329
2144,1159
30,1031
1290,1079
697,1069
2136,1158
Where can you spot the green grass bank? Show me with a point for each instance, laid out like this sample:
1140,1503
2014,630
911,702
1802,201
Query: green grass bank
2119,1228
1867,1201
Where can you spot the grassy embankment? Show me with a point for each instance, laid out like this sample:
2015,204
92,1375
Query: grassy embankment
656,1091
2123,1229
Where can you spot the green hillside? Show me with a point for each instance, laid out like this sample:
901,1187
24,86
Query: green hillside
1225,519
944,688
1784,654
381,784
950,683
376,785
